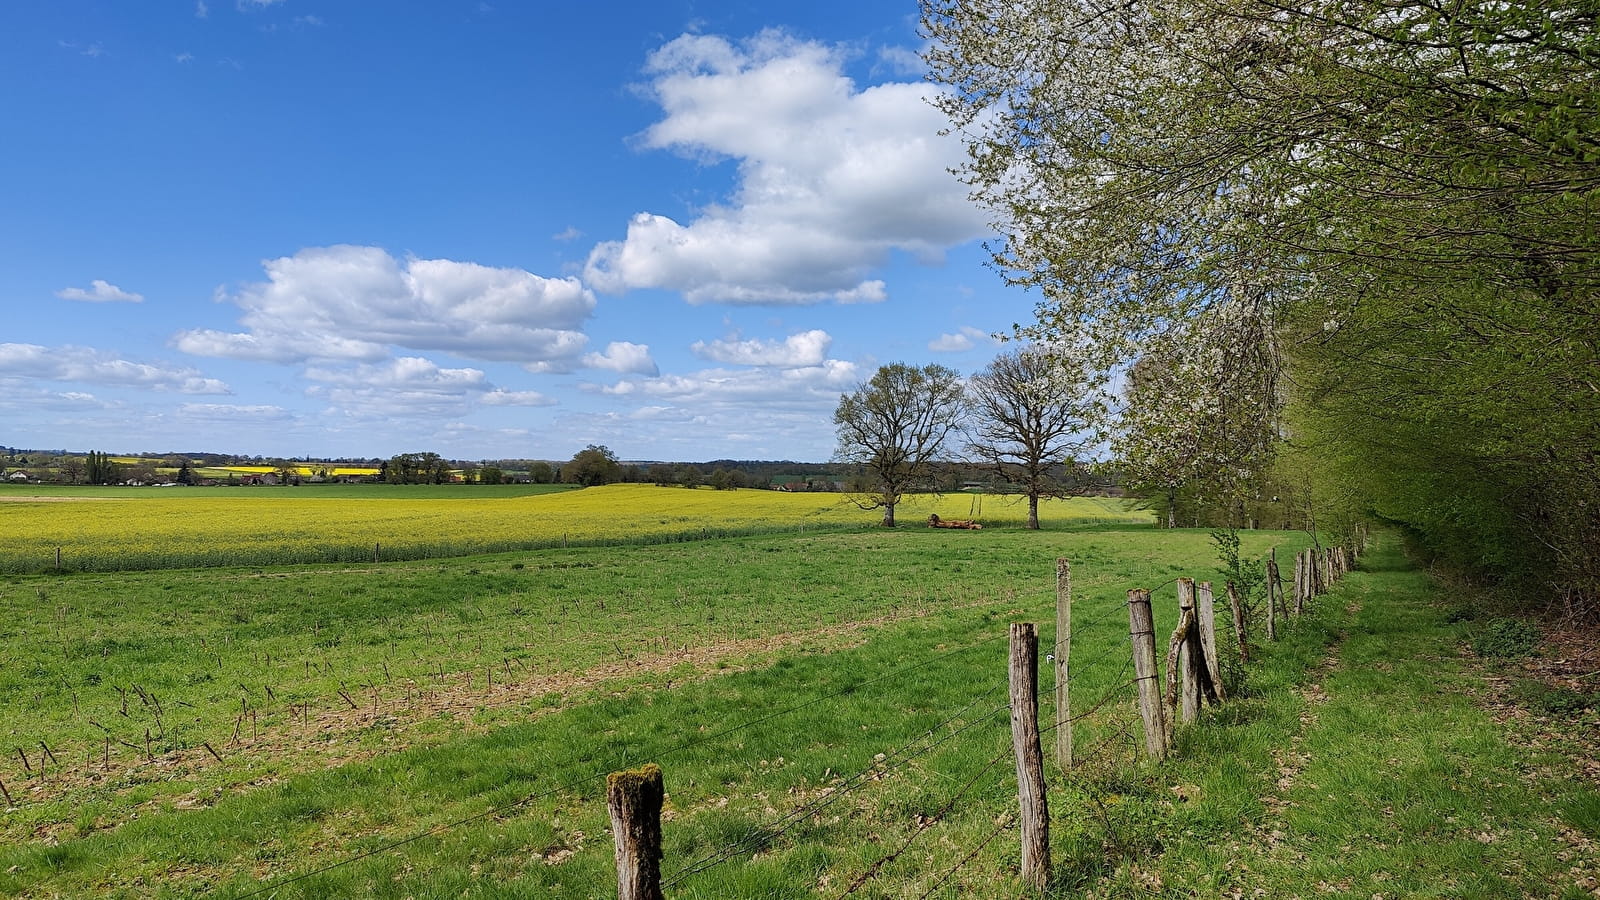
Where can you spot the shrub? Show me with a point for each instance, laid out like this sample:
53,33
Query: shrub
1504,638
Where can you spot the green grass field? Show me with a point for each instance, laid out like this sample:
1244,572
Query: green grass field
825,706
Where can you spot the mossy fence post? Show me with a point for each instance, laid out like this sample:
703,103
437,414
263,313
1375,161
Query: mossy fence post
1062,656
1035,811
1142,634
634,799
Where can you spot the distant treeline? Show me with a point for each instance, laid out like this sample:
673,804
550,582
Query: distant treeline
595,465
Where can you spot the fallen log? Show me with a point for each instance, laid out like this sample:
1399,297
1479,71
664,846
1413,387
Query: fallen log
966,524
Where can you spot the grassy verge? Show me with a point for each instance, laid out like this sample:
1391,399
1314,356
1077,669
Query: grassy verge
1366,763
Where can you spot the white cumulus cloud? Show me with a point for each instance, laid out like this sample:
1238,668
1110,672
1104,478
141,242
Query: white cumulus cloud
100,292
89,366
231,412
766,412
623,356
411,386
832,178
808,348
355,303
964,339
765,388
501,397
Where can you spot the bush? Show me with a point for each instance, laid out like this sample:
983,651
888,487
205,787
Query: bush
1550,699
1504,638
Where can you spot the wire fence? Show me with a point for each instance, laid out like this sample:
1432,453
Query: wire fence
1112,742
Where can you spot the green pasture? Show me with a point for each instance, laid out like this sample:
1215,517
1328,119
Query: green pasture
209,643
825,707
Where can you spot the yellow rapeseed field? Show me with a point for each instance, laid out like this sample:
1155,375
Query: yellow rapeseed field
176,527
303,470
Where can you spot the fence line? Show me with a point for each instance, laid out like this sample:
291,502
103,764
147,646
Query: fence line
878,767
607,769
877,866
1006,822
1317,571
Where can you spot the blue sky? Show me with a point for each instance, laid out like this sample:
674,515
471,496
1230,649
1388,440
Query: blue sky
307,228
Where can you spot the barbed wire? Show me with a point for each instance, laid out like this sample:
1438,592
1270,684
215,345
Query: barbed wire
1006,823
922,827
600,773
877,768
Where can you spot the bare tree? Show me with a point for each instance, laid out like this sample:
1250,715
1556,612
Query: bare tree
72,467
1036,413
894,425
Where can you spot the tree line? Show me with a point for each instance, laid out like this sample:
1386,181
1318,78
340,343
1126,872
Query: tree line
1347,246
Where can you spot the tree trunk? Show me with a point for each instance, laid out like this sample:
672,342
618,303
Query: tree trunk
1033,511
888,515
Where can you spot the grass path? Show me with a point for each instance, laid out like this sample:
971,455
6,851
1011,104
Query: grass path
1383,773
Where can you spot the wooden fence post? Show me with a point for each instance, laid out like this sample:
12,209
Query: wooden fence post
1183,674
1302,581
1206,610
1024,675
634,800
1274,595
1142,632
1237,605
1063,656
1272,609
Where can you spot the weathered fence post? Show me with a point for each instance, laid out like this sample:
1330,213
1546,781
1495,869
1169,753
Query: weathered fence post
1183,669
58,559
375,549
1142,632
1237,605
634,800
1302,581
1274,595
1024,672
1206,609
1063,656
